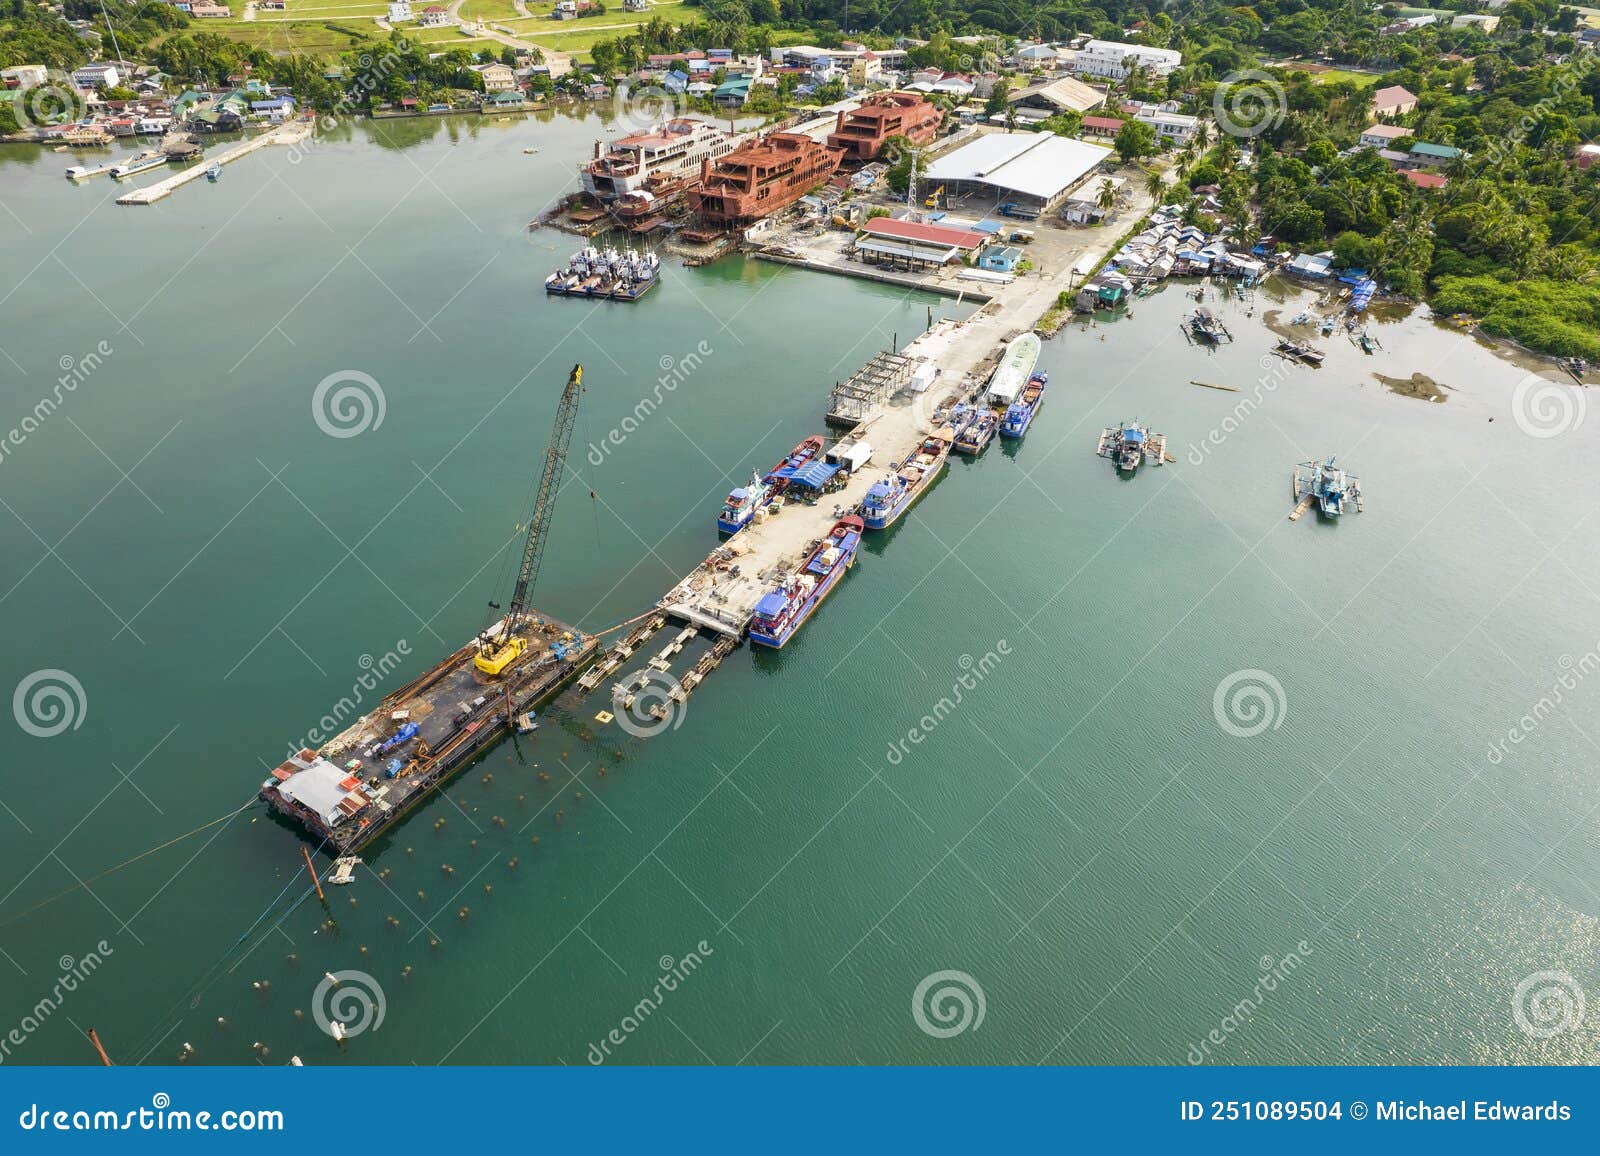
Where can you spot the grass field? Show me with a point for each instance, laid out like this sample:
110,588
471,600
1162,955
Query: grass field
1334,75
494,11
285,36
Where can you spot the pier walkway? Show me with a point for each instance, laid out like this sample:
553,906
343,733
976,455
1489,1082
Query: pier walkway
296,130
721,593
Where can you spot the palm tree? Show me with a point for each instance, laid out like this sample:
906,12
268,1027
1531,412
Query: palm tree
1155,183
1106,196
1202,134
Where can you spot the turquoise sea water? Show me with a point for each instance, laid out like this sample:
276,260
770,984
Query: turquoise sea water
1079,837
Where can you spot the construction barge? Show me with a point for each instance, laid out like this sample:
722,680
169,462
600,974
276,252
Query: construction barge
364,780
360,783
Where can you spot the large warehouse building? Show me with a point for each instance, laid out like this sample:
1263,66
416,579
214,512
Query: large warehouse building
1034,170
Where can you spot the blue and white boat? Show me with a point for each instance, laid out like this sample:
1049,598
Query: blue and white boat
784,610
887,500
1334,490
743,503
142,163
977,434
1019,414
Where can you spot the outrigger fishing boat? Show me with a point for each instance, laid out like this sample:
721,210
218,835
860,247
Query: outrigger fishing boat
887,500
978,433
1299,351
1019,414
1207,328
1130,444
784,610
1328,486
743,503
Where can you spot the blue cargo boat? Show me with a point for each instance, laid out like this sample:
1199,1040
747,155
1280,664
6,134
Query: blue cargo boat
743,503
1019,414
784,610
893,496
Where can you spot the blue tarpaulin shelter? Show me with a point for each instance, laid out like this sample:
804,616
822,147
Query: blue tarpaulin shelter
813,474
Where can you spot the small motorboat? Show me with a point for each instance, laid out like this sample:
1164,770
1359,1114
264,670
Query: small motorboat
213,172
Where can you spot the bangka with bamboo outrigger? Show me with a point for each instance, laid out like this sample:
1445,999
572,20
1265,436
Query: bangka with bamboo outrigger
1298,351
1207,328
1326,486
1130,444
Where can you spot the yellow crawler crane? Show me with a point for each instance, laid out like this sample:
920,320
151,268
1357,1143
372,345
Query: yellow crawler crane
500,646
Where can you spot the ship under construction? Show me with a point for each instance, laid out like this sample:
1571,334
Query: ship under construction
360,783
760,177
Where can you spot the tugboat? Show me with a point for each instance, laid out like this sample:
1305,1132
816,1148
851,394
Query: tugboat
887,500
743,503
1129,444
784,610
1329,487
1019,415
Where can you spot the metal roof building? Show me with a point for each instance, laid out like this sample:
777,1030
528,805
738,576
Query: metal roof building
1039,168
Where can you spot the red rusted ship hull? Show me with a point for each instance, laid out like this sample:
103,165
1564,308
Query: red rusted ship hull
762,176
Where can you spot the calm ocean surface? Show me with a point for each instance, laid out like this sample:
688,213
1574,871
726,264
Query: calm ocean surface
1121,877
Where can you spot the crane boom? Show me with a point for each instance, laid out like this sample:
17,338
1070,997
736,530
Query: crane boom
493,658
555,460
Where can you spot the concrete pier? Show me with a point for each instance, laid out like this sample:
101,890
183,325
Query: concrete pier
721,593
284,134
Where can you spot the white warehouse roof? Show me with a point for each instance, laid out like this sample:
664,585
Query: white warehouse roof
1038,164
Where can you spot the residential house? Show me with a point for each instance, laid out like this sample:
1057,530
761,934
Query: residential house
1586,156
434,16
272,5
1000,258
733,92
497,77
1171,125
507,98
400,12
1428,155
276,109
864,69
206,10
1114,60
1483,23
1426,180
1382,136
635,5
1102,125
1394,101
24,75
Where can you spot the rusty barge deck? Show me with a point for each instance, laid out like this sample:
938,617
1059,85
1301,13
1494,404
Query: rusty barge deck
363,781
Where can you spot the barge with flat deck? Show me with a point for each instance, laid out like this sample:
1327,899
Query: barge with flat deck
358,784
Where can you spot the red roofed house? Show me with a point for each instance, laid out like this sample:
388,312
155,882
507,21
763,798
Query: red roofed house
1101,125
1393,101
895,241
1425,180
